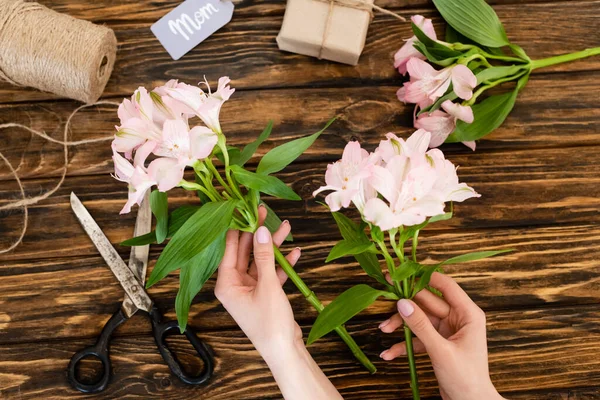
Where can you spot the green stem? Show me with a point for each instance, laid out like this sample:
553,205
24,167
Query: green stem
312,298
495,83
194,186
414,379
410,353
546,62
217,175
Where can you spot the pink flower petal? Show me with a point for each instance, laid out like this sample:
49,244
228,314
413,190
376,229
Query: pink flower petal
439,124
463,81
425,24
202,142
419,69
166,172
380,214
470,144
464,113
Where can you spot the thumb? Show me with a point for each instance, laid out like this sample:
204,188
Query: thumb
418,322
263,255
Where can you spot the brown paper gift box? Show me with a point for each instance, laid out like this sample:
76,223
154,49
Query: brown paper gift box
333,31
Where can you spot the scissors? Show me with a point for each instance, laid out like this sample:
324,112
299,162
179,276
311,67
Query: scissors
132,279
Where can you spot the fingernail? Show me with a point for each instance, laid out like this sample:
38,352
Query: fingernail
263,235
286,222
384,323
261,205
383,353
405,307
299,249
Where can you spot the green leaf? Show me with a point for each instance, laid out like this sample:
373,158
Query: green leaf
272,222
194,275
435,48
474,19
448,96
494,73
368,261
233,152
489,115
176,220
200,230
441,217
344,307
264,183
519,52
406,270
160,208
346,247
424,279
282,156
478,255
249,150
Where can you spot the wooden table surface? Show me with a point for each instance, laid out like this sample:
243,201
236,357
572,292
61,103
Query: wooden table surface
539,176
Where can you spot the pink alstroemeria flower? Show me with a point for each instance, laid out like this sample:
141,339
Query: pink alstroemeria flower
347,179
427,84
207,106
166,173
414,183
184,144
441,124
409,195
408,51
414,147
446,187
137,125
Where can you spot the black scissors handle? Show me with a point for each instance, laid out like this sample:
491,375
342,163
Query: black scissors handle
100,351
162,330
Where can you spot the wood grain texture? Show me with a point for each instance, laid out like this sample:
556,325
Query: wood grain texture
519,188
246,50
538,174
551,112
529,350
72,297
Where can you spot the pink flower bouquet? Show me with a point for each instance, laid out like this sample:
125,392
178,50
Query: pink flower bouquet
448,78
398,190
176,127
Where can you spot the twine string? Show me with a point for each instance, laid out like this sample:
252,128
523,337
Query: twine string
356,4
25,201
54,52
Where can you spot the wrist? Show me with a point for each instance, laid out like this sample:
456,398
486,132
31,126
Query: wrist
278,353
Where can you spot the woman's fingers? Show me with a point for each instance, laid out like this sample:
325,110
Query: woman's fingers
292,257
262,214
264,257
453,294
278,237
228,275
399,349
244,250
395,322
432,304
419,323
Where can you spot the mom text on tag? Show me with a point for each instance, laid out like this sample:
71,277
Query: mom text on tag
190,23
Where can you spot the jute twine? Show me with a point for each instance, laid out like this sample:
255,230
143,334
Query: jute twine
54,52
356,4
27,201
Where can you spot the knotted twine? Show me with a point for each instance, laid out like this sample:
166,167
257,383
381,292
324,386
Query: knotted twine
54,52
27,201
356,4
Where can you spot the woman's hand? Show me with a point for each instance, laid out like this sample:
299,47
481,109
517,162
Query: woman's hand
252,294
452,330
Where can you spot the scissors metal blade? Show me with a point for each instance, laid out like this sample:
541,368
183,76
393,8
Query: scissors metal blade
138,258
126,278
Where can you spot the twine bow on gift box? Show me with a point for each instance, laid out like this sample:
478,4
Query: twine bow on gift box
356,4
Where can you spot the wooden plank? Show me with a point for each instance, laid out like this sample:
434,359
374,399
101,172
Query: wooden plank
246,50
72,297
519,188
550,348
551,112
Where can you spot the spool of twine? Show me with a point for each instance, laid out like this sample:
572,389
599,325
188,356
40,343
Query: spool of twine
54,52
